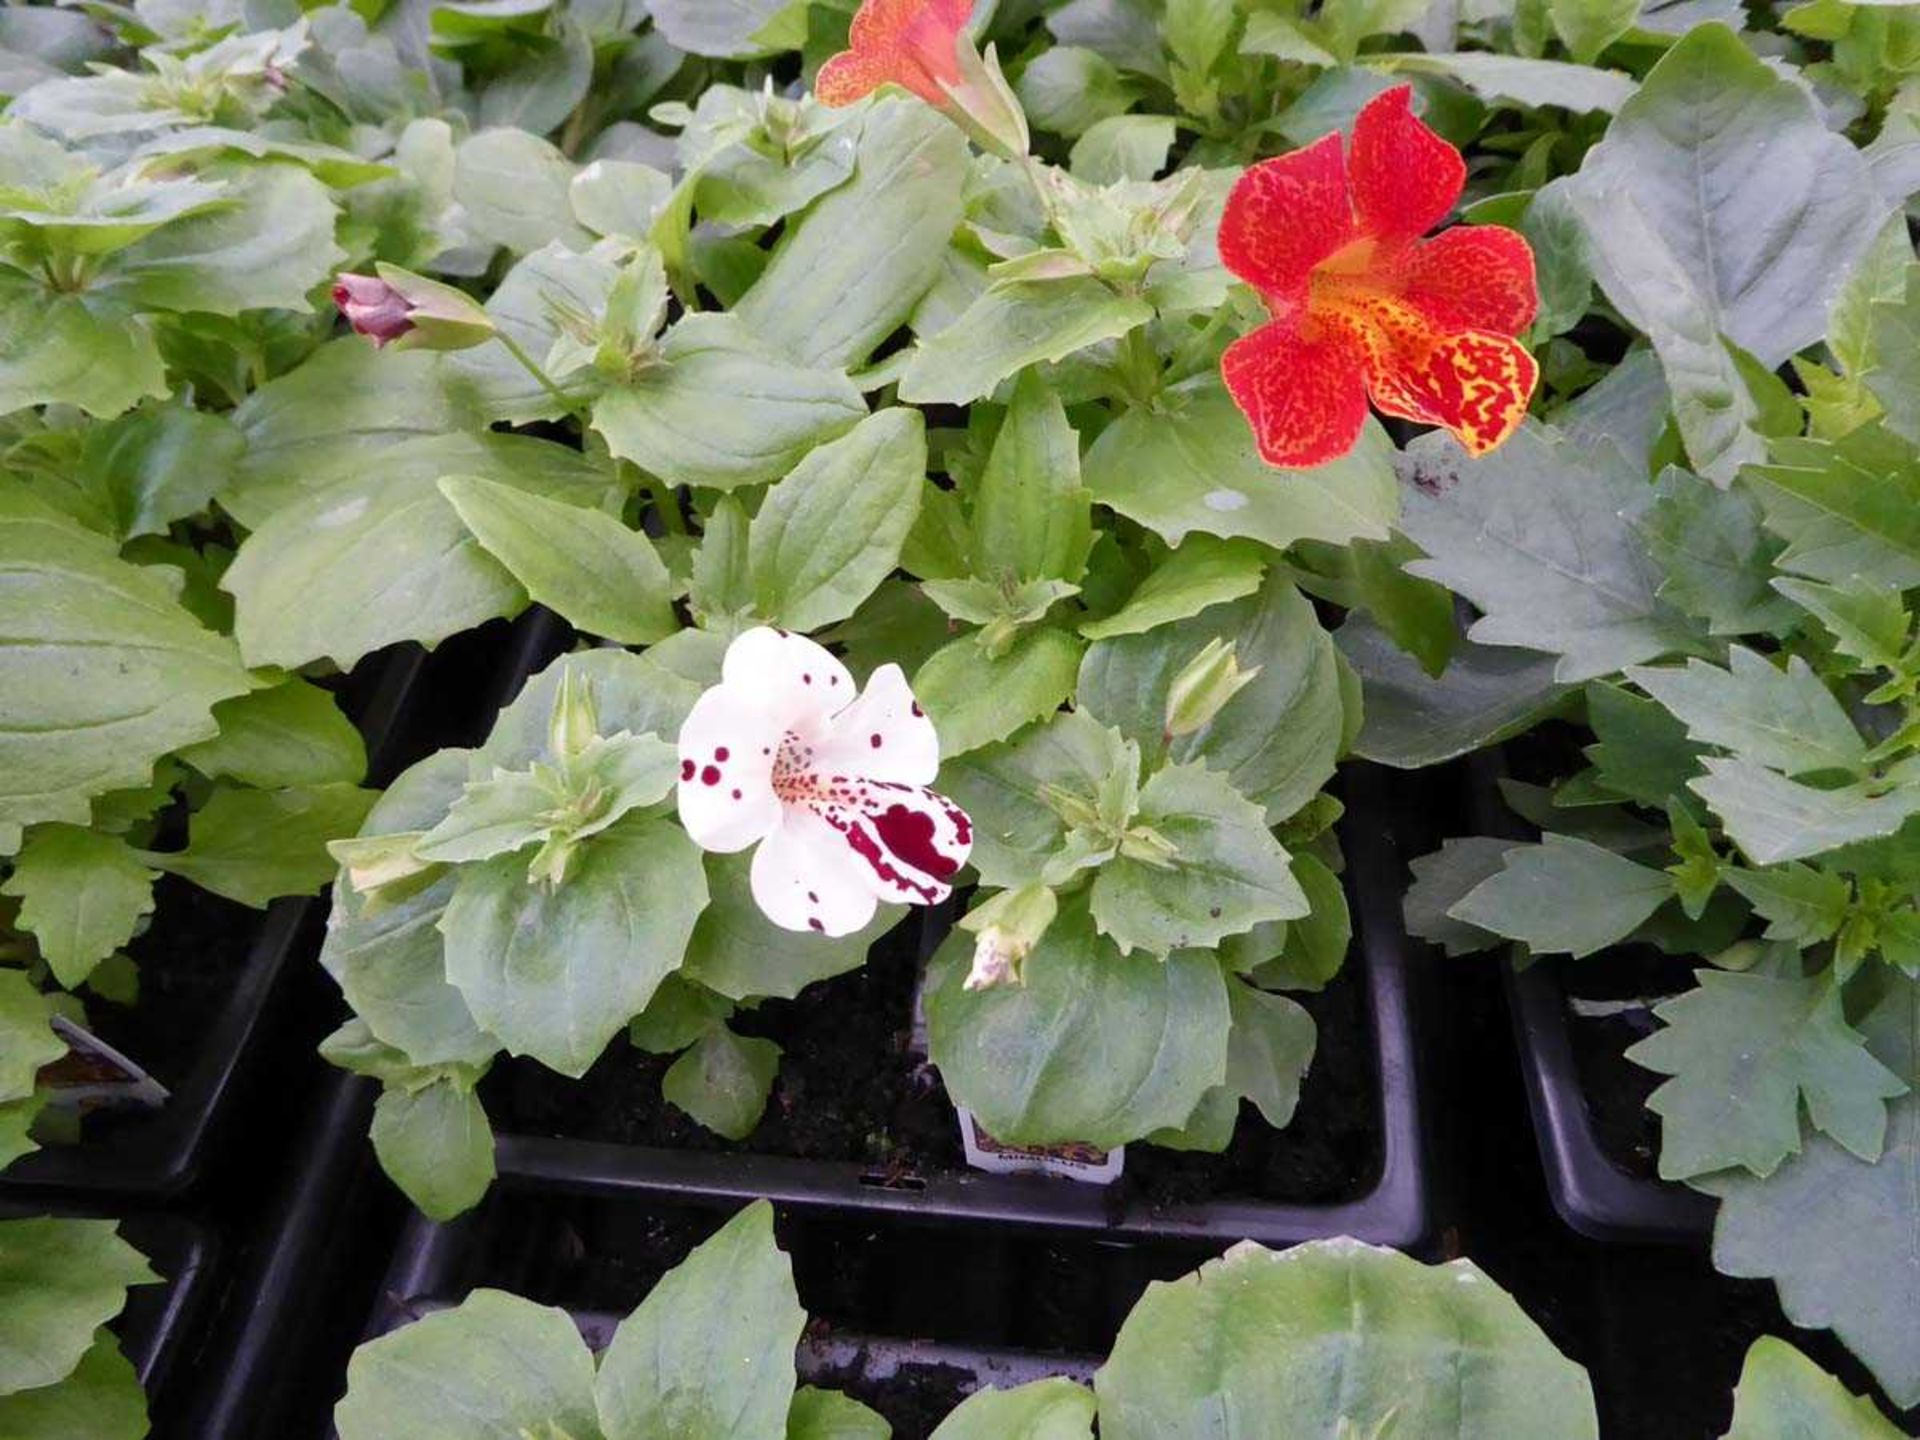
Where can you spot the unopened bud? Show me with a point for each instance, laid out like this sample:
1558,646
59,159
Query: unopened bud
1006,928
575,721
411,312
1202,689
985,106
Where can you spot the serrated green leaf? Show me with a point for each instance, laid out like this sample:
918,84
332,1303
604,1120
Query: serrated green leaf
1717,558
1009,328
1773,818
61,1281
1799,904
82,895
1441,880
1564,894
1869,622
1268,1051
1745,1051
253,846
1782,1395
1643,752
436,1145
101,1399
26,1024
1848,509
1204,571
1785,719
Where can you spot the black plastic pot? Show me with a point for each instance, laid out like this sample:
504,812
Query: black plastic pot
156,1328
1395,1210
160,1155
1593,1194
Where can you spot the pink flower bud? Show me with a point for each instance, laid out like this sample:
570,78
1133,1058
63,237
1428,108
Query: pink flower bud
373,307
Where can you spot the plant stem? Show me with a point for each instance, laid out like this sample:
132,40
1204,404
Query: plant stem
560,396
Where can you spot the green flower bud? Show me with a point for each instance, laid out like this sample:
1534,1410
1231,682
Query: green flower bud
1204,686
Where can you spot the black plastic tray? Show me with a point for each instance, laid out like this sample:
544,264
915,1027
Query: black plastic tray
1396,1211
1591,1193
159,1157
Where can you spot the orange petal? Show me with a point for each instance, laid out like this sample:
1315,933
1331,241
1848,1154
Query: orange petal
1475,383
849,76
1472,277
1286,215
880,24
1305,399
1405,178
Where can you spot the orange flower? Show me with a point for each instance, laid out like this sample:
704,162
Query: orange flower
911,43
1362,306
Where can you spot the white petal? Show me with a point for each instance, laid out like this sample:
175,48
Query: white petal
805,878
883,735
908,840
799,682
727,746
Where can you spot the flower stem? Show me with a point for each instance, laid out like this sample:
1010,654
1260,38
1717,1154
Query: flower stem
515,349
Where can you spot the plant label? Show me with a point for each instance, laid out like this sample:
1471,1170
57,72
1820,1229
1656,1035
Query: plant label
1088,1164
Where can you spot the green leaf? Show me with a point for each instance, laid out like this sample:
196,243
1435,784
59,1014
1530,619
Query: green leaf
976,698
1717,557
1031,517
106,672
1225,873
1643,751
1337,1338
1890,327
710,1351
723,29
546,296
26,1024
1188,463
1094,1046
513,190
1067,90
646,694
1564,894
1586,27
1268,1051
1316,943
266,248
738,952
1772,818
86,349
1011,327
1123,148
557,973
101,1400
1799,904
1835,1232
17,1118
1744,1051
1869,622
1051,1409
1277,739
829,1415
253,846
584,564
1848,509
723,1081
680,1012
1786,719
292,733
62,1280
832,530
374,553
494,1367
142,472
1760,250
1539,535
82,895
1520,80
1202,572
497,816
1413,719
1441,881
1782,1395
850,271
436,1145
722,409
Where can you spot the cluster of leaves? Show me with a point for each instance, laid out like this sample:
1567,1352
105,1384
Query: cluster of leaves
1711,571
1254,1336
61,1370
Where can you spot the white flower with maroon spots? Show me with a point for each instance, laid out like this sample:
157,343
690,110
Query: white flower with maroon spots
831,785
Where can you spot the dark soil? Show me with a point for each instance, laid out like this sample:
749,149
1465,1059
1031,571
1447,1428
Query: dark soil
189,960
914,1399
851,1090
1614,1088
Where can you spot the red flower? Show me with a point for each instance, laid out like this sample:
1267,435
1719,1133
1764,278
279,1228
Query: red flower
911,43
373,307
1362,306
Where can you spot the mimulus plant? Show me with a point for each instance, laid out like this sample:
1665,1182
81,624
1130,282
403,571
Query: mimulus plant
832,787
1362,306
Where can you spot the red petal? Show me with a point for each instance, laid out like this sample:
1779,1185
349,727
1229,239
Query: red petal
849,76
1286,215
1475,383
1305,399
1405,178
881,24
1472,277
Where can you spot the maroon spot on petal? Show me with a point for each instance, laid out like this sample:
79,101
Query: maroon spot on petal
686,769
722,753
816,925
815,899
909,835
736,794
806,679
833,679
874,741
917,710
710,775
